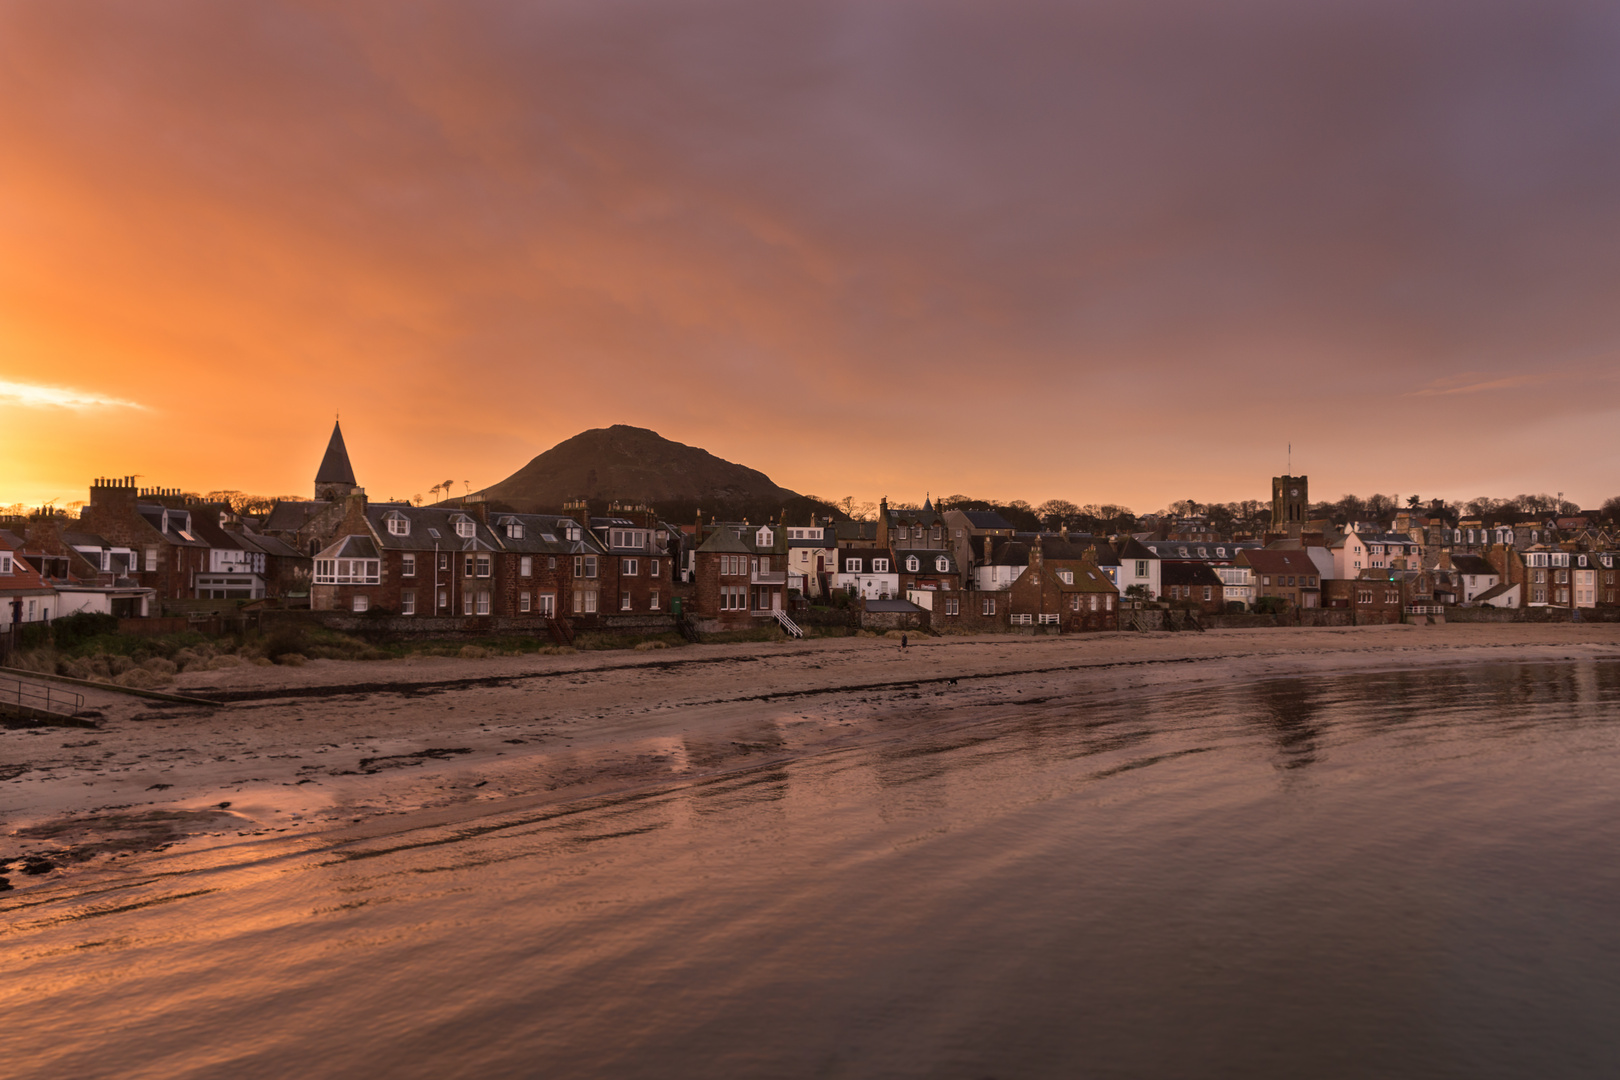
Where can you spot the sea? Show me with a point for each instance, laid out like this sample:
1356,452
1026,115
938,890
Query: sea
1408,873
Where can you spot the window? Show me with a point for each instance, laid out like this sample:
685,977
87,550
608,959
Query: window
467,566
942,565
852,566
652,600
5,562
483,603
465,527
398,525
938,533
652,567
1074,602
764,564
1363,596
407,565
1207,594
1141,568
466,603
912,564
514,530
361,602
1066,576
630,567
407,602
345,571
585,566
444,598
880,566
953,606
523,602
590,602
548,604
483,565
526,566
1265,579
551,562
444,562
989,605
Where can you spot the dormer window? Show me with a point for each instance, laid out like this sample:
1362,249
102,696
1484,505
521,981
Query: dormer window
1182,552
942,565
465,527
1067,576
764,538
912,564
399,525
5,562
514,530
880,566
852,566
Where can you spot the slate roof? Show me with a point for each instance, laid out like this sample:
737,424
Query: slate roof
1499,589
1473,564
335,467
726,542
1197,550
292,516
1191,573
987,519
904,606
351,547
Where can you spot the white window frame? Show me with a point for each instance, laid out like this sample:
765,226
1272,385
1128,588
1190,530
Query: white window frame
632,567
407,602
407,565
483,602
398,525
523,602
465,528
360,602
526,566
989,605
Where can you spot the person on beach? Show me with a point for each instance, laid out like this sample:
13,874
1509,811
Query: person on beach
903,643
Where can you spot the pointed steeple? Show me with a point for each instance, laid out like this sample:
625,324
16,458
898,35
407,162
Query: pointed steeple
335,477
928,503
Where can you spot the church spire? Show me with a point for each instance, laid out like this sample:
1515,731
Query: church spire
335,477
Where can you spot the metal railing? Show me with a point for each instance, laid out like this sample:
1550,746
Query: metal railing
28,695
788,624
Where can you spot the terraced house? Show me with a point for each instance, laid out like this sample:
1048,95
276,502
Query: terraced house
456,563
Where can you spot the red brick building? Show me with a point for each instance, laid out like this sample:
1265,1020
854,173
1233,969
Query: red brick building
1290,576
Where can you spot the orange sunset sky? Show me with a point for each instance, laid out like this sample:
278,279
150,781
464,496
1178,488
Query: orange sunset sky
1109,252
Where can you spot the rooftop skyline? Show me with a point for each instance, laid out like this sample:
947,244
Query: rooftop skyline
1101,252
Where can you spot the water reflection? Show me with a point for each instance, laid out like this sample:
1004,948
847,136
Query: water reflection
1117,887
1289,709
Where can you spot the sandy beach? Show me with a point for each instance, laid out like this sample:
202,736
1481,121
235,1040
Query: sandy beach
341,748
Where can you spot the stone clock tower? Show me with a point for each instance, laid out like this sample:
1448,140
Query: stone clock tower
1290,500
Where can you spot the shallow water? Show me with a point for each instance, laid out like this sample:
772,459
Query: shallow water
1405,874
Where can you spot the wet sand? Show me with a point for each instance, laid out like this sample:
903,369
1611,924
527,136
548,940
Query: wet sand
367,747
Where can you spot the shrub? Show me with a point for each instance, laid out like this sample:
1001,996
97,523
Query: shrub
71,631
